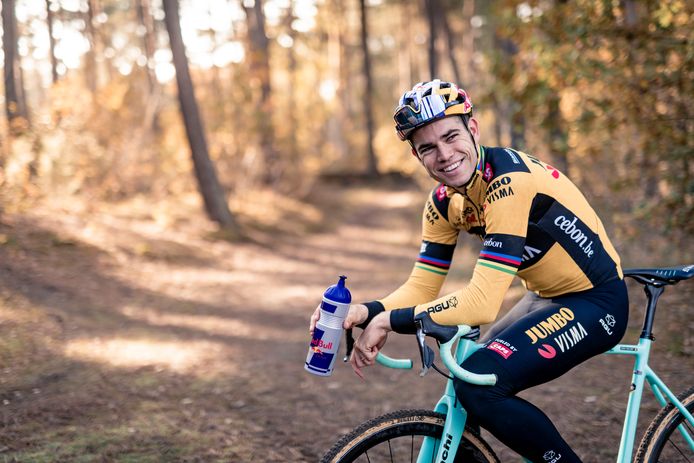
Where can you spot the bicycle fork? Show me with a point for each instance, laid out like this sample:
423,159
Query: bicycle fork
445,449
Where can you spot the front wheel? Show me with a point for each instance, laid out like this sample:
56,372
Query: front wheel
663,441
397,437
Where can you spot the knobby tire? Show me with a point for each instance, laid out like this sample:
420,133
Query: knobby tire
662,441
401,425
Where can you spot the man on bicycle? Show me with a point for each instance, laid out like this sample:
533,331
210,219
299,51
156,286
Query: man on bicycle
534,223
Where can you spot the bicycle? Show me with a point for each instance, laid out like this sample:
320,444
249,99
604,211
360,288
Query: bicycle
442,435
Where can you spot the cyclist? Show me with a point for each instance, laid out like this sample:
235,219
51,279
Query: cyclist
534,223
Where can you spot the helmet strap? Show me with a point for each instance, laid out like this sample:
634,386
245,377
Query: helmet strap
474,144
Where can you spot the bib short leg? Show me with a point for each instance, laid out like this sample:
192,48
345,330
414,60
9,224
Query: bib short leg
538,347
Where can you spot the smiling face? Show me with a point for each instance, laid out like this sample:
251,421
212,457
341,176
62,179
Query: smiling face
446,150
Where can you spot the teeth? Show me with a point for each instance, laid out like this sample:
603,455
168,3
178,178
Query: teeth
452,166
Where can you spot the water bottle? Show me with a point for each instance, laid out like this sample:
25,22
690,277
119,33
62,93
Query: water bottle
326,336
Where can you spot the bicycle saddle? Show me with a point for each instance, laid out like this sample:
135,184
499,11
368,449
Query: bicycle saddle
661,276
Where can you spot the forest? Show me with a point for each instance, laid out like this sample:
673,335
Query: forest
181,180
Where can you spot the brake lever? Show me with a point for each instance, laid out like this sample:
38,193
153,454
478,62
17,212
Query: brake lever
349,344
426,353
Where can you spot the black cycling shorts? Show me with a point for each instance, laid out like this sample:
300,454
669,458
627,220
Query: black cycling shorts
537,347
548,342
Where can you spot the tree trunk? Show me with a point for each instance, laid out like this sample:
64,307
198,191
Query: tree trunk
557,135
468,44
210,189
293,148
346,87
515,118
518,128
368,94
260,71
631,15
14,106
429,7
337,124
144,14
91,73
21,93
499,118
450,40
405,48
51,41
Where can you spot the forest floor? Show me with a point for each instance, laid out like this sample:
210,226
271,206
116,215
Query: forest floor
135,332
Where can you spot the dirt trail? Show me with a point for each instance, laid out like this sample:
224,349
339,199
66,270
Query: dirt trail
134,333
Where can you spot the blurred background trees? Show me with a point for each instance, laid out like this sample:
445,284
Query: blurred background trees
288,90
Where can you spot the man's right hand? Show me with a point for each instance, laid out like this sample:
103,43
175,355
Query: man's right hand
358,313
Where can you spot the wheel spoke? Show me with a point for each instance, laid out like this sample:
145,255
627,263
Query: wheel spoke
374,443
679,450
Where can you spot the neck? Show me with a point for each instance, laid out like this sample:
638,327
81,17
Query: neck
477,172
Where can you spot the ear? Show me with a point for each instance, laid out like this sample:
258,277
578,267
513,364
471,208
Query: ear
474,127
414,151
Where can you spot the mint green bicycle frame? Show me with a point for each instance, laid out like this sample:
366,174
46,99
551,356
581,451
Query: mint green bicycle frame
456,415
643,373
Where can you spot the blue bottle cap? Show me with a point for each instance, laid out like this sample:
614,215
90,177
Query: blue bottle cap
339,292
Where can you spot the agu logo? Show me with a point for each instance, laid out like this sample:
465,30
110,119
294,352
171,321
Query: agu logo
607,323
551,456
451,303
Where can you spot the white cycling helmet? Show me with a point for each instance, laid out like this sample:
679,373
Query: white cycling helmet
427,102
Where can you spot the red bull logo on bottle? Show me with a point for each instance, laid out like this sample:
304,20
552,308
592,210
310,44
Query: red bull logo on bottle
323,348
319,343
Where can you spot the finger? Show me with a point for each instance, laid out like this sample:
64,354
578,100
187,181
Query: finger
358,358
359,373
350,321
370,360
365,355
355,367
370,356
365,359
356,315
360,361
314,319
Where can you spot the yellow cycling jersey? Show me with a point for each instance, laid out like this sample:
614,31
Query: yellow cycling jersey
533,222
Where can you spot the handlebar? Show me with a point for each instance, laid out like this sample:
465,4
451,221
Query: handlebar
390,362
447,336
458,371
446,351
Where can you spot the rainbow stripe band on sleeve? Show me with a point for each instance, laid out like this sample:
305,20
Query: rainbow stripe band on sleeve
502,262
433,265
